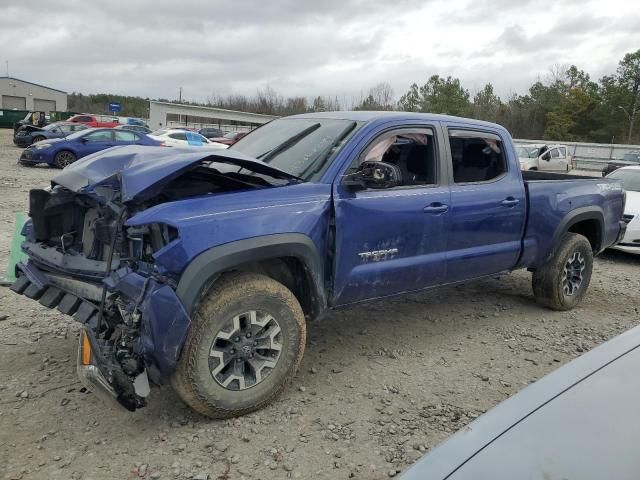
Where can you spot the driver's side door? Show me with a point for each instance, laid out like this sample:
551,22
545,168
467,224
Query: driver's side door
393,240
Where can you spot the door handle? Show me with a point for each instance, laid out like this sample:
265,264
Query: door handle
436,208
510,202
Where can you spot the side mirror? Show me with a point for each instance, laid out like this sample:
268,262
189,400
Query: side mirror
546,156
84,139
373,174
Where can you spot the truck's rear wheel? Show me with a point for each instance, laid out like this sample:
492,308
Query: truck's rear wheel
245,345
564,280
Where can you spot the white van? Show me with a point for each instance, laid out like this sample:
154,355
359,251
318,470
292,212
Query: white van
544,157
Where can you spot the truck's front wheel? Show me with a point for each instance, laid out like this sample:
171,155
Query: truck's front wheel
564,280
245,345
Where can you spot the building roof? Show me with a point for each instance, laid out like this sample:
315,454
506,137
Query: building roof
214,109
31,83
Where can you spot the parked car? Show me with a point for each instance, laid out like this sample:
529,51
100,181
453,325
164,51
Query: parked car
211,132
28,134
544,157
135,128
131,121
173,137
61,152
95,121
38,119
630,158
579,422
210,263
229,138
630,178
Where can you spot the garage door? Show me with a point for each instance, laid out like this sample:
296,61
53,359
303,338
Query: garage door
9,102
41,105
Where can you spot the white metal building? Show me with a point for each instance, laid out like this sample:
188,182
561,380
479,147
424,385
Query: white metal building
166,114
16,94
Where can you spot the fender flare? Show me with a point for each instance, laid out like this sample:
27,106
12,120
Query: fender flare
573,217
207,265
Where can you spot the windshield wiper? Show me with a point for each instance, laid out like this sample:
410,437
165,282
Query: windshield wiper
290,142
327,151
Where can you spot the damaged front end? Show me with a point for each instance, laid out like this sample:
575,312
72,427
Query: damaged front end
85,261
90,257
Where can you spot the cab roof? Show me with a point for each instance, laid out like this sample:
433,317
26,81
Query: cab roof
370,116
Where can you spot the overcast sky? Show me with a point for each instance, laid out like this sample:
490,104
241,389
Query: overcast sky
323,47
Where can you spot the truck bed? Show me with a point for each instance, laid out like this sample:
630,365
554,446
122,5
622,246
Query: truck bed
533,175
554,198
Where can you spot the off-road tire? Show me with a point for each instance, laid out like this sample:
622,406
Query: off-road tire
231,295
64,158
547,281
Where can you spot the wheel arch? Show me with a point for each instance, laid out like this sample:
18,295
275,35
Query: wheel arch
290,258
587,221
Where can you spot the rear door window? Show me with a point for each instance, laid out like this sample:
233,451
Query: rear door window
102,136
476,156
126,136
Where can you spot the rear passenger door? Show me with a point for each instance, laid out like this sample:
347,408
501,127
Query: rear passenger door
486,221
393,240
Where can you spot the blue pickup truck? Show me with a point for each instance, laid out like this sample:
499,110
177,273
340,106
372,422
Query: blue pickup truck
202,268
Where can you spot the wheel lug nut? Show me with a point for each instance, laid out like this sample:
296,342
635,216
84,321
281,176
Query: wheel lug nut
249,335
233,350
255,343
237,339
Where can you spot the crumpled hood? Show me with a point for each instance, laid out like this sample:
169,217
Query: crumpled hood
141,171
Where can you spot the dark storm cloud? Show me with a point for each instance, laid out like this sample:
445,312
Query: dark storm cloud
330,47
212,46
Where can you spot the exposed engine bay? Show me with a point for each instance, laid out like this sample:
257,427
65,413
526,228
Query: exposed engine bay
85,260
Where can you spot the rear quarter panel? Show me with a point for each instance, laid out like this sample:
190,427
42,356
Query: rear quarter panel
556,204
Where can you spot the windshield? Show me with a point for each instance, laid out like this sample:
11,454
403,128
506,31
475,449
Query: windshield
527,152
630,179
302,147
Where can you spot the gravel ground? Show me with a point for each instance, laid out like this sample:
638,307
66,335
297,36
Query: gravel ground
379,385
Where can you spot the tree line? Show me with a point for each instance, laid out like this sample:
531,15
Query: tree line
567,105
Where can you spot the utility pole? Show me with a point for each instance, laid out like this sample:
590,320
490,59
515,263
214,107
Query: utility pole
7,62
180,97
631,116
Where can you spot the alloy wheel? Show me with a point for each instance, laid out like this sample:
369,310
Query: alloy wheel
572,274
246,350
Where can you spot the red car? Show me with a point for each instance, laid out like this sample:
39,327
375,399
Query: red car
229,138
96,121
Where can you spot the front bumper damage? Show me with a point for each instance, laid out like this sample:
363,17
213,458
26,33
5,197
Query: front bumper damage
146,343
